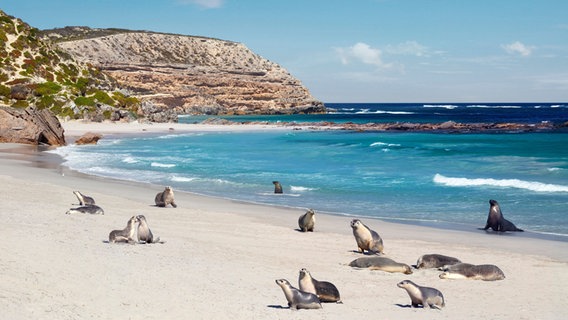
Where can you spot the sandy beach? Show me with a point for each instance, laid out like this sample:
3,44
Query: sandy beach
221,258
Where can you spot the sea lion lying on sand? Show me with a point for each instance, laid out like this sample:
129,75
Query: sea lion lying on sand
90,209
380,263
435,261
486,272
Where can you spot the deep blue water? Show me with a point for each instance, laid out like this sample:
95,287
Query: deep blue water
420,113
414,177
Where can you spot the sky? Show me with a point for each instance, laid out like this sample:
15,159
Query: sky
363,50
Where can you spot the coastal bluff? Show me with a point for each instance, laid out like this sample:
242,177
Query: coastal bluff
177,74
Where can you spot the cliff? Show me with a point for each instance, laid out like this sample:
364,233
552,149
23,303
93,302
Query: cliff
177,74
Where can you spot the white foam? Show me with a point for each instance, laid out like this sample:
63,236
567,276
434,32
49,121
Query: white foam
375,144
162,165
129,160
506,183
300,188
182,179
493,107
444,106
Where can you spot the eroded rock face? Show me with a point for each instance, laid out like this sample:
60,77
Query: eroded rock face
30,126
192,75
89,138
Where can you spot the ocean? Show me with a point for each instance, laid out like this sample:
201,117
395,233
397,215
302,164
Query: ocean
434,179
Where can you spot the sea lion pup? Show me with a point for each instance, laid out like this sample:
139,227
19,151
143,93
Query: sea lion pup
486,272
307,221
144,233
90,209
83,199
277,187
496,221
126,234
429,261
165,197
425,296
298,299
381,263
366,238
326,291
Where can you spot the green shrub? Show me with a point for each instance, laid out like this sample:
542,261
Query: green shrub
47,88
67,112
84,101
20,104
107,114
4,91
46,101
103,97
125,102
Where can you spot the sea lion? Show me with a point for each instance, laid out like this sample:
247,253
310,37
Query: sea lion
298,299
435,261
425,296
486,272
165,197
307,221
326,291
380,263
496,221
126,234
366,238
277,187
144,233
83,199
90,209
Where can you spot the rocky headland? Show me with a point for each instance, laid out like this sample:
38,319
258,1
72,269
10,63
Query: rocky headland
176,74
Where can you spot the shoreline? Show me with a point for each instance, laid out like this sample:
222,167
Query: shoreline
74,129
52,162
222,256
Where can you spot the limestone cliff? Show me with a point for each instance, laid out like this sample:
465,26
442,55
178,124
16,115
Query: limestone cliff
176,74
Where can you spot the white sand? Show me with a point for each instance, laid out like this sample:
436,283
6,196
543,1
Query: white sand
221,257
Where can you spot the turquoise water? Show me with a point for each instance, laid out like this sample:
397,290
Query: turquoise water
412,177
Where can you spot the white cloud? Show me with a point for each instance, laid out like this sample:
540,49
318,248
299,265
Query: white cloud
209,4
411,48
518,48
362,52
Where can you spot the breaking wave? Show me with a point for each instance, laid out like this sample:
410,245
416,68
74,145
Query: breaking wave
506,183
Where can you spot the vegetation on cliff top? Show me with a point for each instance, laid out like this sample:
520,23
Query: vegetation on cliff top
35,73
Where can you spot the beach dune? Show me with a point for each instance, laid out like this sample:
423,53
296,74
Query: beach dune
220,257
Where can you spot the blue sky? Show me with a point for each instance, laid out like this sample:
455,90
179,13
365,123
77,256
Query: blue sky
363,50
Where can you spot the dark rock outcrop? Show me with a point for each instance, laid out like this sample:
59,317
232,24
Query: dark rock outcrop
30,126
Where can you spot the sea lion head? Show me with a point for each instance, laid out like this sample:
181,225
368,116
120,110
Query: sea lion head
141,218
407,269
355,223
282,282
404,283
494,207
304,273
